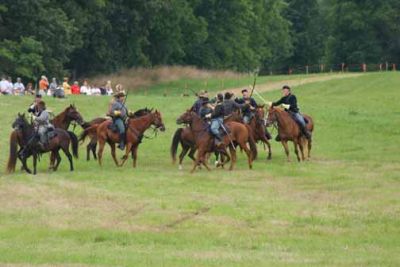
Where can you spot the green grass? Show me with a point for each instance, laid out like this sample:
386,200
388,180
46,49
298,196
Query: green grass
339,209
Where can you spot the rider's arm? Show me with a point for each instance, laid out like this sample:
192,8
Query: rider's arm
277,103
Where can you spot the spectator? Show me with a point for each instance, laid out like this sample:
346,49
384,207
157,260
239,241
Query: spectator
85,88
43,85
66,87
95,91
29,89
118,88
19,88
3,85
53,86
59,92
75,90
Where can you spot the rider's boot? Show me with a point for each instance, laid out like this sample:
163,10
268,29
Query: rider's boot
218,140
306,132
122,137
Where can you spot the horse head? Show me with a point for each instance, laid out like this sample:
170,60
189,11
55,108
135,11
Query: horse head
157,121
73,114
186,117
20,122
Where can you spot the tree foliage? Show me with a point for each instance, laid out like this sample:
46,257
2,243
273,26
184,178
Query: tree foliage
98,36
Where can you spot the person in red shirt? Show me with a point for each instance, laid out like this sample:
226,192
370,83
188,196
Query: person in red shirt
75,90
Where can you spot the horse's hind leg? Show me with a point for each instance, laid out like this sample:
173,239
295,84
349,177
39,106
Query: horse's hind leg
182,155
309,148
114,156
302,144
134,154
248,153
100,151
93,145
269,149
34,163
233,157
296,149
69,156
52,160
88,151
58,160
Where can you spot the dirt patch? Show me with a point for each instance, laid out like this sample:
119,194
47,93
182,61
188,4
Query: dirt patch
265,87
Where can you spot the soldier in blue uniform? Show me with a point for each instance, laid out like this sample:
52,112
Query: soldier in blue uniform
247,109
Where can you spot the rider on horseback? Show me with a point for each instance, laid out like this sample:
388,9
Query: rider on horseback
119,114
203,95
249,108
217,119
230,105
33,107
42,124
289,103
205,109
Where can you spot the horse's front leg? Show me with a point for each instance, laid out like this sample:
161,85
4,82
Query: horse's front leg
24,165
286,147
127,151
113,154
34,163
296,149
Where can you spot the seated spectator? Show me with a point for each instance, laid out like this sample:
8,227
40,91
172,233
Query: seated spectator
29,89
53,86
66,87
19,88
95,91
84,88
75,90
5,86
59,92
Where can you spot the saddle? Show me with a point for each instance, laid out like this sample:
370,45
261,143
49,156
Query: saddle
51,133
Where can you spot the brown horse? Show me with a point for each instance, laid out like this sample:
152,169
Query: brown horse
205,142
62,121
90,130
134,133
183,136
289,130
61,140
257,125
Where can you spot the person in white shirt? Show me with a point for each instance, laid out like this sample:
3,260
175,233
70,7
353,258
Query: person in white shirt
3,85
19,88
85,88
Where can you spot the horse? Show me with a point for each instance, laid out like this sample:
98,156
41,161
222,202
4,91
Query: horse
90,130
61,140
62,120
257,125
134,133
289,130
205,142
183,136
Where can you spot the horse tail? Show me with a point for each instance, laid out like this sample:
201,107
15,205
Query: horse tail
175,142
87,132
12,159
253,147
74,143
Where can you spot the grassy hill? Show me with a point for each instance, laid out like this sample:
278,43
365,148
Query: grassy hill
339,209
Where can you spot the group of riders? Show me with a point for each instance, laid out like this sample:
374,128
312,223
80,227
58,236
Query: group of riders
213,111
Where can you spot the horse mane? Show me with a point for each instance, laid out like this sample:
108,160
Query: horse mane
141,112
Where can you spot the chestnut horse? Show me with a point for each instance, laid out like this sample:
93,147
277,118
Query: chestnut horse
205,142
289,130
134,132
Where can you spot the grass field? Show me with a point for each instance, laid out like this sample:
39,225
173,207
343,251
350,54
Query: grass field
339,209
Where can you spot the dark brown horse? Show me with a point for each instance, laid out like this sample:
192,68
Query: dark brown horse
61,140
257,125
289,130
134,133
91,131
205,142
62,121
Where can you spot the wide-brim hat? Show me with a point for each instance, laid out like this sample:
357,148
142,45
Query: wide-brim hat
120,94
203,93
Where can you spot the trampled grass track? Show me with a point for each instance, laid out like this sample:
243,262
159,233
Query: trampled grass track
340,209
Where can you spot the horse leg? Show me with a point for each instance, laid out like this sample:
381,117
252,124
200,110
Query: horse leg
65,149
286,147
296,149
52,159
233,157
248,153
301,146
100,152
198,160
88,150
94,146
269,148
58,158
309,148
34,163
114,156
182,155
134,153
24,165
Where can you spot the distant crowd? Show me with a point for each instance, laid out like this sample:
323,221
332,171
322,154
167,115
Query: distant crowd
55,88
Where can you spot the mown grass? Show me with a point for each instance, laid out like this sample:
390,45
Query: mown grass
339,209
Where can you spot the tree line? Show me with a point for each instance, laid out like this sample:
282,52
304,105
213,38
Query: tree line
88,37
